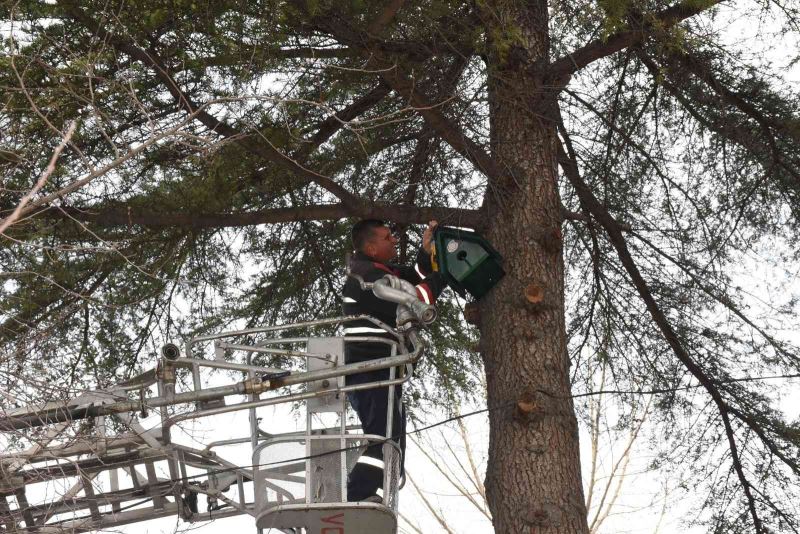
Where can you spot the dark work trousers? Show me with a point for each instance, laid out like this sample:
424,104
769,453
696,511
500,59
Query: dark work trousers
371,406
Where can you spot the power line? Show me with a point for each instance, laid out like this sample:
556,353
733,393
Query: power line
489,409
661,391
513,403
657,391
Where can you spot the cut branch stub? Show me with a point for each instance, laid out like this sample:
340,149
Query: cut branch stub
536,299
528,409
526,406
472,313
534,294
548,515
551,240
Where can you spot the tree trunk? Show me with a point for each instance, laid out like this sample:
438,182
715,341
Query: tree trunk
533,480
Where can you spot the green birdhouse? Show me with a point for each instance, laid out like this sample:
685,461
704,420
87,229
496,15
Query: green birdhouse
466,260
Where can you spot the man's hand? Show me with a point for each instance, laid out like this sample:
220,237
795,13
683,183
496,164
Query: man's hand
428,236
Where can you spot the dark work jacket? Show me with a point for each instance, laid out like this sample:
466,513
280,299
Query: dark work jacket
356,301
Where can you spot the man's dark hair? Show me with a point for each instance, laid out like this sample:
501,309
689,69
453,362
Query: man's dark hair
363,231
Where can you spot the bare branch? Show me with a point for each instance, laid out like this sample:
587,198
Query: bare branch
405,85
128,216
569,163
77,184
561,70
51,167
334,123
436,513
265,150
385,18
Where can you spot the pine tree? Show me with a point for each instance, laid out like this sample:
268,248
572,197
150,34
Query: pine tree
625,157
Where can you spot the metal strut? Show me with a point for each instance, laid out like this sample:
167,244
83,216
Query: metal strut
114,453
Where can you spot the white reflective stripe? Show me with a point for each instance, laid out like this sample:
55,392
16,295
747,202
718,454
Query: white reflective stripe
348,299
424,292
419,271
363,330
369,460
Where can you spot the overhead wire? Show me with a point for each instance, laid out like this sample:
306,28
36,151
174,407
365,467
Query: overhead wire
394,438
658,391
655,391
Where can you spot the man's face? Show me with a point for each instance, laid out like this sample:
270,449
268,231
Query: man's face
383,245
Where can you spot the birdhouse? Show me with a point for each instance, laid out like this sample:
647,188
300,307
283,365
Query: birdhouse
466,260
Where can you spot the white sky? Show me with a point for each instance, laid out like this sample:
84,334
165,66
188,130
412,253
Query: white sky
639,505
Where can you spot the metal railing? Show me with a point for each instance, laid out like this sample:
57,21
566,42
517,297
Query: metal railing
115,471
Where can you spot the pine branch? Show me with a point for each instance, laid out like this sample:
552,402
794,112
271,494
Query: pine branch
735,133
705,73
569,164
122,215
561,70
265,150
404,84
385,18
328,127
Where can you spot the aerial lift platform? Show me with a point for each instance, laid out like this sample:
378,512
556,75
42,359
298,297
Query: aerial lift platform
107,458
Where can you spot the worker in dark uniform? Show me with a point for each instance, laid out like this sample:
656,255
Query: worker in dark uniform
374,249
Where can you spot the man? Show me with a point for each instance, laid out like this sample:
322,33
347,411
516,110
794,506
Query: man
374,249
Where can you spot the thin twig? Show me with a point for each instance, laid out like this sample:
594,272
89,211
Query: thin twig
51,167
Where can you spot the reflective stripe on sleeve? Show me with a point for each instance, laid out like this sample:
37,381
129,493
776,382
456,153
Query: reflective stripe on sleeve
419,271
364,330
369,460
348,299
424,293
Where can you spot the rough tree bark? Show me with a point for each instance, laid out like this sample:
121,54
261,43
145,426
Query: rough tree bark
534,484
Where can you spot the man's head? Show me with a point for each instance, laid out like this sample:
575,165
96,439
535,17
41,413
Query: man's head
373,238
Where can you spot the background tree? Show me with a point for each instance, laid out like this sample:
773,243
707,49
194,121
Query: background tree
230,143
621,494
